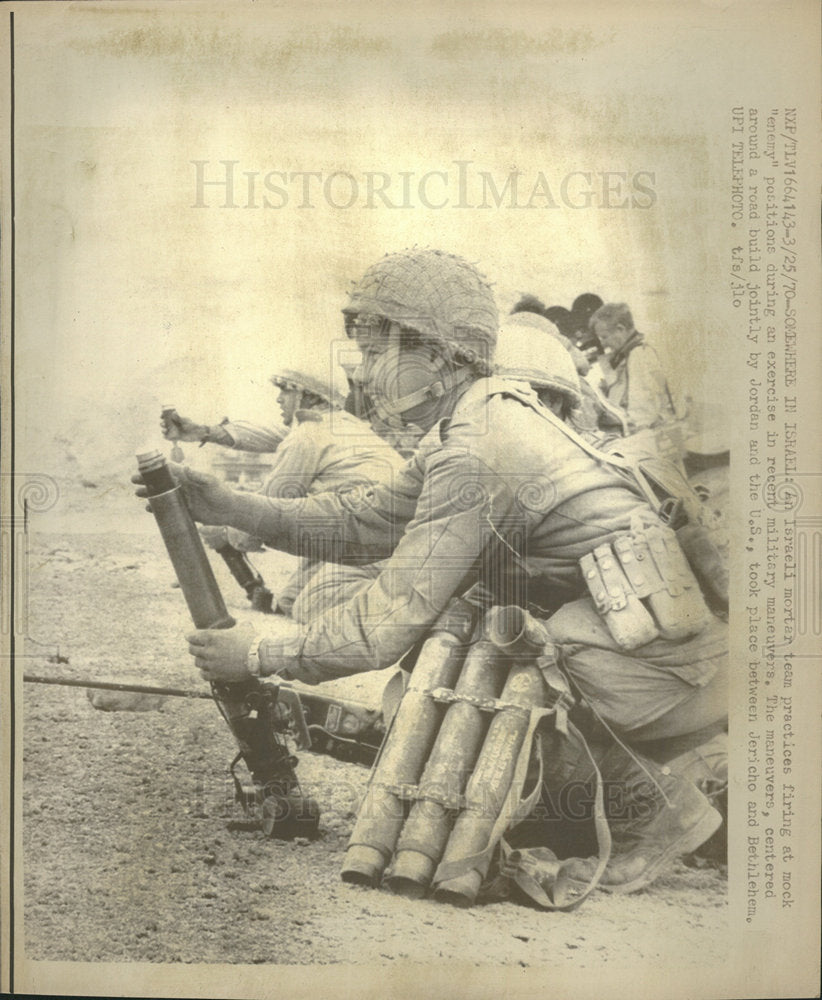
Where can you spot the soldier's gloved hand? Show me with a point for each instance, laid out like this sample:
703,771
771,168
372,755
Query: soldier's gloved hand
209,501
222,654
177,428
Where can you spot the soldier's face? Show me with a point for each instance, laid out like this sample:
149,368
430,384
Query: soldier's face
288,401
372,335
612,337
402,376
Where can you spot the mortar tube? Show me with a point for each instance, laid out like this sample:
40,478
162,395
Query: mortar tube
446,774
183,543
490,782
405,751
244,705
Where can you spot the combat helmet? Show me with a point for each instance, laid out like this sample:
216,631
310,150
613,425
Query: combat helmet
440,296
536,322
326,381
543,362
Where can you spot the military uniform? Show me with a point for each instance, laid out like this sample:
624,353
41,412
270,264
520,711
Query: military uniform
633,379
501,492
498,476
245,436
324,451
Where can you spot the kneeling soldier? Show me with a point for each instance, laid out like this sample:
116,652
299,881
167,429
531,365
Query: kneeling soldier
500,491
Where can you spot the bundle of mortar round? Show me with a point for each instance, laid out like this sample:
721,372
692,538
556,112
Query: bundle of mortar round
439,795
407,746
469,850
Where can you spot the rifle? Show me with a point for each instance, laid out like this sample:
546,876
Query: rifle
349,731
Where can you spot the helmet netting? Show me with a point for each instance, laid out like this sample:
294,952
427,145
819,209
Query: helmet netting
441,296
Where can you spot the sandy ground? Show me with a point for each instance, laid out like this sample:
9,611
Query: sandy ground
132,846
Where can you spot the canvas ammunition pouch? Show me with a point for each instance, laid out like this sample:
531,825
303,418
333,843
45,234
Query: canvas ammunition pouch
679,508
631,688
643,587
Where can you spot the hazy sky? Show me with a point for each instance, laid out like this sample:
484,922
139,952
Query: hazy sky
137,288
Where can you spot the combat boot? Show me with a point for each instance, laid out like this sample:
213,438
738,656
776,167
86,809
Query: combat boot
274,795
707,767
658,817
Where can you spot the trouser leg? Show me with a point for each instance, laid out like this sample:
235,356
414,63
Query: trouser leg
701,708
662,696
295,585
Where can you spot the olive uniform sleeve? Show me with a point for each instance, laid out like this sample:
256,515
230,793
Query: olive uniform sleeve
251,437
356,525
291,475
461,508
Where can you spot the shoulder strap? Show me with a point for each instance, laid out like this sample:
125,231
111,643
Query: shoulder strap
615,412
631,467
556,890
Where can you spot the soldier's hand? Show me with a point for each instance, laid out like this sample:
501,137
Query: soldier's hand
208,500
222,654
177,428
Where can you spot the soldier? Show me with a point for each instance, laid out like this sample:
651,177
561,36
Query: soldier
526,359
582,308
633,378
496,474
538,322
528,303
546,365
325,448
563,320
549,371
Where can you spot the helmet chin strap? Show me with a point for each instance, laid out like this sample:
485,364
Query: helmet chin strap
428,393
440,380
